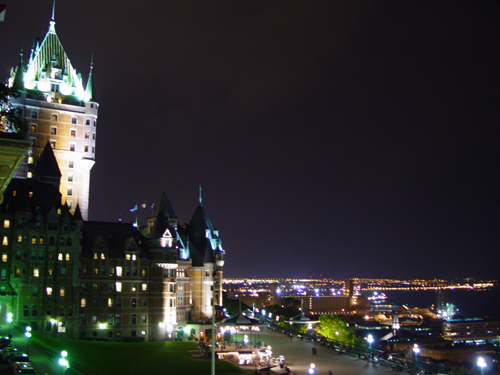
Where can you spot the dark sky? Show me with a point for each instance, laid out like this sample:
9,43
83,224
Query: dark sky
343,138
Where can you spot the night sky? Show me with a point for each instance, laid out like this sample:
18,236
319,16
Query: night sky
342,138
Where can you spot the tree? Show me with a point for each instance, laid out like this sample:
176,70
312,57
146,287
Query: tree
11,118
335,329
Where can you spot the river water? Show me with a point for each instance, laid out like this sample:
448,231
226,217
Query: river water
471,303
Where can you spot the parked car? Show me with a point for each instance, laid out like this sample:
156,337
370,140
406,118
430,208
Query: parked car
17,359
24,370
6,352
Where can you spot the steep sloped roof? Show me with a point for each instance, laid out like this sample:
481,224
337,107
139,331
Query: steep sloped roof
115,237
47,167
163,207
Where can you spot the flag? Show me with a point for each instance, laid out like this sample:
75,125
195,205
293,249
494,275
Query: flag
143,205
133,209
152,206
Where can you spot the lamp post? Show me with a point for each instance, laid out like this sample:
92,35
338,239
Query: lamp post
9,320
27,334
63,361
481,363
312,366
416,350
370,341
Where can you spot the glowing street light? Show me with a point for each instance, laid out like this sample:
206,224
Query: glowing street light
27,334
63,361
481,363
416,350
370,340
312,366
9,320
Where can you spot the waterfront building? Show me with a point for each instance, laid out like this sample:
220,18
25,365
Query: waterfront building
469,330
57,108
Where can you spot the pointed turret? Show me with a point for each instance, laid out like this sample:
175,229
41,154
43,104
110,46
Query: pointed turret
47,170
78,213
19,77
89,90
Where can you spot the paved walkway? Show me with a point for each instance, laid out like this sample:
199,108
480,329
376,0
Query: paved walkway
298,356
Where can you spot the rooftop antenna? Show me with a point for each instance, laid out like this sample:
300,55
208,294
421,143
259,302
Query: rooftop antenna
53,10
200,195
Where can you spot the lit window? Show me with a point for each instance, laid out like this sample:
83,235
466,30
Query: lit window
127,256
19,238
86,135
61,292
17,272
83,302
96,271
36,272
30,159
110,302
59,211
29,175
40,241
118,287
54,117
72,133
134,302
96,256
86,148
14,193
68,257
144,287
53,130
134,257
33,128
119,271
5,258
144,272
60,256
5,241
50,271
33,240
134,287
49,291
6,224
53,144
30,194
103,256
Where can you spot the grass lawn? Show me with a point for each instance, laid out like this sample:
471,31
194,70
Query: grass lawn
120,358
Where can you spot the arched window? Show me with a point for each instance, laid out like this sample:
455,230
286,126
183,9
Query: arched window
33,240
61,241
68,242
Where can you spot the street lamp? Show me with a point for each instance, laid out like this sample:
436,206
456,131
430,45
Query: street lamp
27,334
63,361
9,320
312,366
370,340
481,363
416,350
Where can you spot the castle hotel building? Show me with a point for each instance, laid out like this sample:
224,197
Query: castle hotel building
67,277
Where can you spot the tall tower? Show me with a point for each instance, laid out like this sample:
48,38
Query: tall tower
58,109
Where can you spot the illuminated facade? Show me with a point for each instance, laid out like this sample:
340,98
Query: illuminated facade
58,109
40,253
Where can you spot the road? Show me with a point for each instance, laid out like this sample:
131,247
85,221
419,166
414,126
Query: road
42,364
